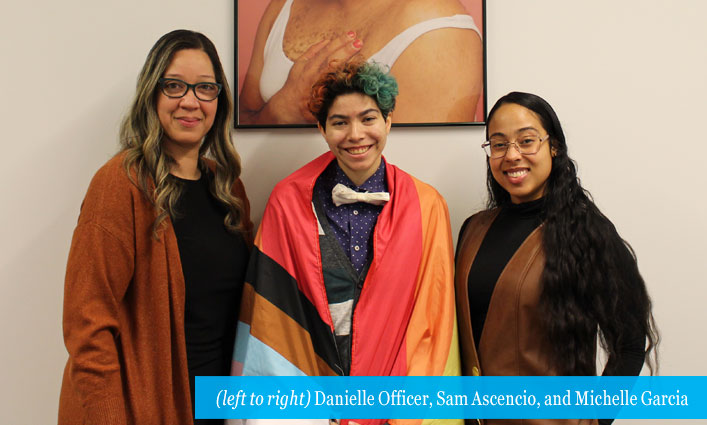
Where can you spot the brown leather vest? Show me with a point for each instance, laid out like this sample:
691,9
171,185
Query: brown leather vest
512,341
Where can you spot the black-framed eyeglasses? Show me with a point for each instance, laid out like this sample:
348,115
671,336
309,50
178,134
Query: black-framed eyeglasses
175,88
526,145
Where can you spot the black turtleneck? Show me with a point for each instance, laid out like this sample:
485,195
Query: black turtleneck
507,232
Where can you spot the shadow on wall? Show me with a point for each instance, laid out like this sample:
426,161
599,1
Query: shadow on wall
273,157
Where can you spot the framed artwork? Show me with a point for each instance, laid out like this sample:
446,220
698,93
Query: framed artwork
435,50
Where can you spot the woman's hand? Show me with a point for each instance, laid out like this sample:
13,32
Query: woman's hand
295,94
289,104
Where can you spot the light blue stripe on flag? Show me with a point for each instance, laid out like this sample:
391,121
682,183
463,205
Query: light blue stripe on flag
257,357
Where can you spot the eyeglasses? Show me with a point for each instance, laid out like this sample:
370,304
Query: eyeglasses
526,145
174,88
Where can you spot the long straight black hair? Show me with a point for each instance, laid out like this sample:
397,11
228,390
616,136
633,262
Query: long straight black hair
591,283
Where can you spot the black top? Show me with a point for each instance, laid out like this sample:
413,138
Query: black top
506,234
214,263
513,224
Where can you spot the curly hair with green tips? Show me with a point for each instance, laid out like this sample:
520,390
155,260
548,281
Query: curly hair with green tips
354,76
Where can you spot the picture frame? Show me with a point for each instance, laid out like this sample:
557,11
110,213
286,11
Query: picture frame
460,99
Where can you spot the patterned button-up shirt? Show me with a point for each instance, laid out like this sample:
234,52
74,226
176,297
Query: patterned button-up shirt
352,223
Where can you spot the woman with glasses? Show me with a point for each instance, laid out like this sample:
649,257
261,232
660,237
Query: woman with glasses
542,273
158,257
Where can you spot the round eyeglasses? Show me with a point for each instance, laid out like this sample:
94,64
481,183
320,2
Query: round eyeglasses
174,88
526,145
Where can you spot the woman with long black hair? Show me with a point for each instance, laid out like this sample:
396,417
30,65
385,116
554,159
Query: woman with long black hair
542,273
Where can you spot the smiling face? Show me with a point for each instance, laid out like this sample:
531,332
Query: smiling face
186,120
524,177
356,133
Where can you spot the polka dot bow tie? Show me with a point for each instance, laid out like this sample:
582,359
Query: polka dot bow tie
344,195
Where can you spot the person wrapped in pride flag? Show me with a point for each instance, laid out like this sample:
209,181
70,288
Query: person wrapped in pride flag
352,271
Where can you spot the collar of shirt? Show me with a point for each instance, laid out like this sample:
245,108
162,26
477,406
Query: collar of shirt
334,175
352,224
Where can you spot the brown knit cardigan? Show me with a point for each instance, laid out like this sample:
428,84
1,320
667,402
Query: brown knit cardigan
124,311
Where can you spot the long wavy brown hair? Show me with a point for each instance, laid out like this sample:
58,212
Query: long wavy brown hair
148,164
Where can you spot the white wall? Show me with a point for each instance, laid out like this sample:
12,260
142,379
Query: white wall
627,79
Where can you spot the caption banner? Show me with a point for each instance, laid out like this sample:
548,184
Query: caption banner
413,397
